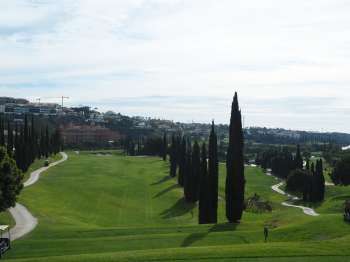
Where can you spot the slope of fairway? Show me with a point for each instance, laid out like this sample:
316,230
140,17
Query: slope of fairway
117,208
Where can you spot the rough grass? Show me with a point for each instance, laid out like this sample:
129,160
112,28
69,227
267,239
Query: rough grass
117,208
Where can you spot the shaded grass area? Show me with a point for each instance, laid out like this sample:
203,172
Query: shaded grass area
121,208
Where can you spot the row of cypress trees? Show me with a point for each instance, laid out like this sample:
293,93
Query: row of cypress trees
24,143
198,171
281,161
314,187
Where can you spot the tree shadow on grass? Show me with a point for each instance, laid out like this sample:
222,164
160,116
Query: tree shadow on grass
180,208
166,190
161,181
194,237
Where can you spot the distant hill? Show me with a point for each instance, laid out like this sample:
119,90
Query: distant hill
11,100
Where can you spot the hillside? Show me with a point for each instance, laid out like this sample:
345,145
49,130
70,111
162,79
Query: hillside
117,208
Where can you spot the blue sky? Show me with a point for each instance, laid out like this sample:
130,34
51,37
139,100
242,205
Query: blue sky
183,59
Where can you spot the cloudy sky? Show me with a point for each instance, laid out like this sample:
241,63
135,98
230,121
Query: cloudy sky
183,59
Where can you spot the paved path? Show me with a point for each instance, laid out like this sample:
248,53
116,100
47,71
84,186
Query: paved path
25,221
307,210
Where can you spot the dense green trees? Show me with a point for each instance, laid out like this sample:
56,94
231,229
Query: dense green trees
10,180
341,173
24,143
281,161
309,181
235,181
199,174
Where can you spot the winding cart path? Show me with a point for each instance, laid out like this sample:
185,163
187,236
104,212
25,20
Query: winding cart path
307,210
25,221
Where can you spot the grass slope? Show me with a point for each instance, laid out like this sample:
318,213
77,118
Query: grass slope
116,208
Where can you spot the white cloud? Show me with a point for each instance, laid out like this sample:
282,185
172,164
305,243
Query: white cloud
92,50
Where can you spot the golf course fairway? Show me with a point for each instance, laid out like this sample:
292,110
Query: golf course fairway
116,208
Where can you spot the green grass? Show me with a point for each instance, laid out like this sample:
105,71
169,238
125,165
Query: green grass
38,163
117,208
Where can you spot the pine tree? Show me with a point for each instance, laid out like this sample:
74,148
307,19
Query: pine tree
213,174
235,181
204,208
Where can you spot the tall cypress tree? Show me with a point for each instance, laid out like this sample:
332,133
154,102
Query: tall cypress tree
319,181
173,157
165,146
235,181
2,131
182,162
47,144
9,140
204,197
188,173
298,159
213,174
196,169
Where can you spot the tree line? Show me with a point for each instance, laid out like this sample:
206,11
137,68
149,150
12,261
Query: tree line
341,172
20,145
308,180
197,169
26,142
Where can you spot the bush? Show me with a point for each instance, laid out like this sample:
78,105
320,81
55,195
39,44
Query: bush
256,204
296,180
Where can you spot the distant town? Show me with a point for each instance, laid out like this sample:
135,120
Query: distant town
84,126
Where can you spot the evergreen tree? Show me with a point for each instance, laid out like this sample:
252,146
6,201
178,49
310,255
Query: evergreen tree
319,181
34,141
213,174
42,144
2,132
196,169
298,159
165,147
188,174
235,181
10,181
173,157
204,207
307,167
9,140
182,162
47,142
